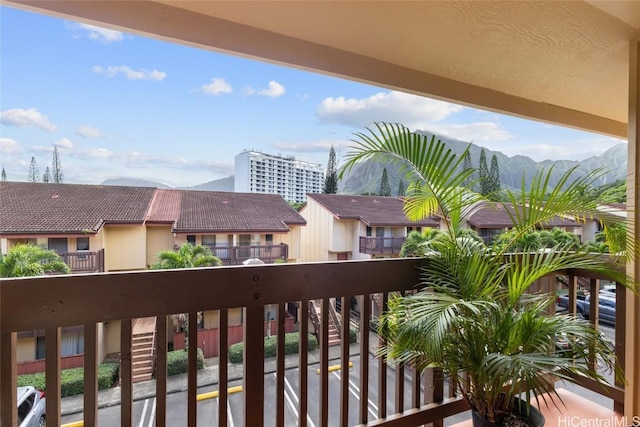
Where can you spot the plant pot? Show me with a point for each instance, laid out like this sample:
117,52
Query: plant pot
533,419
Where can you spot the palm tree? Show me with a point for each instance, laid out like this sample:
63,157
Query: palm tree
30,260
187,256
474,315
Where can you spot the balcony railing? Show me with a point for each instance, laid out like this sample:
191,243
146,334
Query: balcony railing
102,297
236,255
381,245
84,261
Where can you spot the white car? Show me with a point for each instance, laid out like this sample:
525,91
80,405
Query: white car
31,407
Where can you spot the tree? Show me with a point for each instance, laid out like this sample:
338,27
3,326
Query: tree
493,180
56,167
385,189
401,189
483,174
188,256
4,175
30,260
476,315
47,175
34,175
467,165
331,177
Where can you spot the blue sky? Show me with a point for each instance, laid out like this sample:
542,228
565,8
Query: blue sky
121,105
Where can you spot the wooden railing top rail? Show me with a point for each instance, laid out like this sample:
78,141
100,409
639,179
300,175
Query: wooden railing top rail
33,303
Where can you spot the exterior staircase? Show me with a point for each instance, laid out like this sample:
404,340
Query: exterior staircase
315,312
142,345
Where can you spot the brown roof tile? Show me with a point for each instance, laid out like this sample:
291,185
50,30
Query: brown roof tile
212,211
165,206
372,210
32,208
496,216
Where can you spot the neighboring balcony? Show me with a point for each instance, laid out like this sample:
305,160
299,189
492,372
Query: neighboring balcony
236,255
381,245
84,261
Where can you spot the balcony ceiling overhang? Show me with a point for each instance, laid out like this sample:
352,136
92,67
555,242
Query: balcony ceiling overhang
563,62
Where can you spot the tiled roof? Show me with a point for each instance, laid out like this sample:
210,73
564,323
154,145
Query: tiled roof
165,206
28,208
372,210
212,211
496,216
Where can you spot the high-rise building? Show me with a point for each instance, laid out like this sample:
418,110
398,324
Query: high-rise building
257,172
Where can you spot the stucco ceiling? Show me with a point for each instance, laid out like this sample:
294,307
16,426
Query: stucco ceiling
565,62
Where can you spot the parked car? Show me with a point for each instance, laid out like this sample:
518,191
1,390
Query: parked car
607,306
31,407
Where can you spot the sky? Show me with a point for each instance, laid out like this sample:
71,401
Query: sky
121,105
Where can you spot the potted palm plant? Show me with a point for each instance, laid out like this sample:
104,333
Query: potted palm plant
475,315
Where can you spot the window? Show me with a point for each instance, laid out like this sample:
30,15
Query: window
209,240
191,238
58,244
269,239
82,244
368,231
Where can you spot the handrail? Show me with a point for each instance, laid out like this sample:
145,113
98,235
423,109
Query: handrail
315,319
337,322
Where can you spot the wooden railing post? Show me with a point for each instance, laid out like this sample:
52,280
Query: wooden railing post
8,375
253,359
52,338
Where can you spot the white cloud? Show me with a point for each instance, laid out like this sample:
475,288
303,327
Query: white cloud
129,73
312,147
274,91
88,132
217,86
95,153
9,146
27,118
99,34
474,132
413,111
63,143
563,151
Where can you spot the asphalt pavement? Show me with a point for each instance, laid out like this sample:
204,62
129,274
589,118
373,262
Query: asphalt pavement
206,377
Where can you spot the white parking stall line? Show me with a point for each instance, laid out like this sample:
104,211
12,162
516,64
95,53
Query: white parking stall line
152,414
310,422
144,413
355,391
229,416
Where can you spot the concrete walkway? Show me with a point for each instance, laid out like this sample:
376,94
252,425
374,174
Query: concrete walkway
206,377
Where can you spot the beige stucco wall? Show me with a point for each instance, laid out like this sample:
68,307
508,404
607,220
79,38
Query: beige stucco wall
159,238
317,235
26,350
125,248
112,337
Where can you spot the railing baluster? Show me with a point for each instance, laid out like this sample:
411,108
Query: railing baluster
594,315
280,366
8,377
434,389
415,388
52,374
192,376
365,315
382,367
161,371
621,327
253,359
126,374
324,364
344,359
223,367
303,318
91,374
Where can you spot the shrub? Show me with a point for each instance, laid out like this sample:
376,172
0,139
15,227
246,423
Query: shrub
291,346
178,363
353,336
72,380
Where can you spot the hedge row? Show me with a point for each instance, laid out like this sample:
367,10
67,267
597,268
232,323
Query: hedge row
178,363
72,380
291,346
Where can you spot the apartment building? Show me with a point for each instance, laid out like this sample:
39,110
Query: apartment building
257,172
